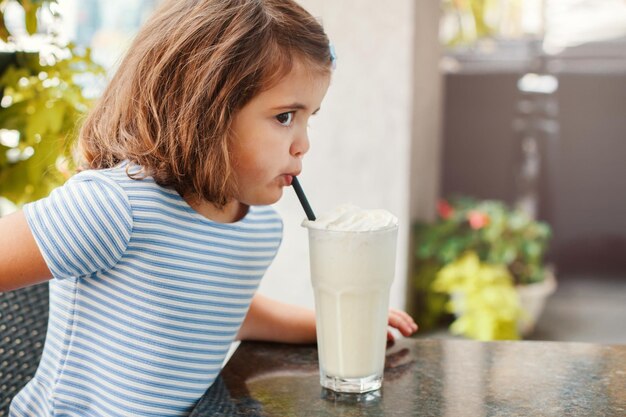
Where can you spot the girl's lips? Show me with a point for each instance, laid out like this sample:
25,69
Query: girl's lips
287,178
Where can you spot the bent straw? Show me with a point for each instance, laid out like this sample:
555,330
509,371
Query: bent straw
305,203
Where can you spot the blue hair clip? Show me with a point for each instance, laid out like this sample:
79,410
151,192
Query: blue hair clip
333,56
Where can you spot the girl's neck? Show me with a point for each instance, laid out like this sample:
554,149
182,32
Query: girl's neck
232,212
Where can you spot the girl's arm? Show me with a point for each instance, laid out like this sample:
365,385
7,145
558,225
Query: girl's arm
274,321
271,320
21,262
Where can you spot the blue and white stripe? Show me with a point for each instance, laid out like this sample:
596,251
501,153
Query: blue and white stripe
147,297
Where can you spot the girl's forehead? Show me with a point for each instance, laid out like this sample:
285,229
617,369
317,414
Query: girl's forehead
292,67
300,86
300,79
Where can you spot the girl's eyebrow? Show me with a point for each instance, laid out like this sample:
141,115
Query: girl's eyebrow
297,106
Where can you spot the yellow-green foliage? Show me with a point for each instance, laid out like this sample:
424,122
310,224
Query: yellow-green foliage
482,296
41,105
31,7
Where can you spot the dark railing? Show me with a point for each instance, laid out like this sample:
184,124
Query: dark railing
23,324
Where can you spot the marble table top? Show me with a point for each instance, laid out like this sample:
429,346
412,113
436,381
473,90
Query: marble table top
429,378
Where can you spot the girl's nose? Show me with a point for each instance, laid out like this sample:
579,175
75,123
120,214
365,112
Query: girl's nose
300,145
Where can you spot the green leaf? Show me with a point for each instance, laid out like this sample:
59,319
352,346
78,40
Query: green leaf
4,33
14,184
31,20
56,115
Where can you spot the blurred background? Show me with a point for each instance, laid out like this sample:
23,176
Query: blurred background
519,102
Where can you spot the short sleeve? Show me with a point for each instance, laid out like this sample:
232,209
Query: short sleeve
82,227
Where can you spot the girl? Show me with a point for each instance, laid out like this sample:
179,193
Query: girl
157,247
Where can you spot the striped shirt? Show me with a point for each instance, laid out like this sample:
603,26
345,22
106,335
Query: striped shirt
146,299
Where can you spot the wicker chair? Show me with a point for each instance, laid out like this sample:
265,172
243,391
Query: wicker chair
23,324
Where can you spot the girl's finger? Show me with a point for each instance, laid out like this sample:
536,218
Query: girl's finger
407,318
402,321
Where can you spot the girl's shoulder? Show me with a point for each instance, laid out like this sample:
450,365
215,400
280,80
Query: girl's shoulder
116,173
83,226
110,176
125,177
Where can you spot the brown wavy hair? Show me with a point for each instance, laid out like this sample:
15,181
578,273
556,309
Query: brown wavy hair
192,66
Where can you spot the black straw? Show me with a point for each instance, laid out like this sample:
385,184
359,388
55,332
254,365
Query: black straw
305,203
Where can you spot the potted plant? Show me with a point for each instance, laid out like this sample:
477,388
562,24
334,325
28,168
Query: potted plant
41,102
483,261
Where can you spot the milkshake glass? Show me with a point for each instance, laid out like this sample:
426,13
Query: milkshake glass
352,254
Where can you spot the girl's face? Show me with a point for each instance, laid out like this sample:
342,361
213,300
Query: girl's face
270,135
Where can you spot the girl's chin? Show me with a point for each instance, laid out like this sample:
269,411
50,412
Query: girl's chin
275,197
265,199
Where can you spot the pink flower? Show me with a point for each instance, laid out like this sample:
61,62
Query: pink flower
477,219
444,209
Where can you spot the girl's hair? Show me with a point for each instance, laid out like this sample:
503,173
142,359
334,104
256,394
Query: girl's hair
193,65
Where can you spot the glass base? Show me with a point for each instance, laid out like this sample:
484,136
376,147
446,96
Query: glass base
369,398
351,385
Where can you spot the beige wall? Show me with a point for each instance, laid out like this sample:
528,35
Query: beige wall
360,140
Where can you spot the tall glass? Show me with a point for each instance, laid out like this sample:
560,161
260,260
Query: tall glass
351,273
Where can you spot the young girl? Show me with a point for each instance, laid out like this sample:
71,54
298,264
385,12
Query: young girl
155,250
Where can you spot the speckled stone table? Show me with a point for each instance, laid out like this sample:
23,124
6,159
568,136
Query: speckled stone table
429,378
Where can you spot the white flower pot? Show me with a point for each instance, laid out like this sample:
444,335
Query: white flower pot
532,299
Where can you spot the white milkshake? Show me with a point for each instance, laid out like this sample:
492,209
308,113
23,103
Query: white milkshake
352,254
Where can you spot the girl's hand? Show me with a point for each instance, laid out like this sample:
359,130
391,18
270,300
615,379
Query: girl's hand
402,321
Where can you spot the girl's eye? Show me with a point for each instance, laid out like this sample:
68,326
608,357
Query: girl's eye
285,119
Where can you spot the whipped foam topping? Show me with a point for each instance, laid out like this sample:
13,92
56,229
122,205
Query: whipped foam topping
350,218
